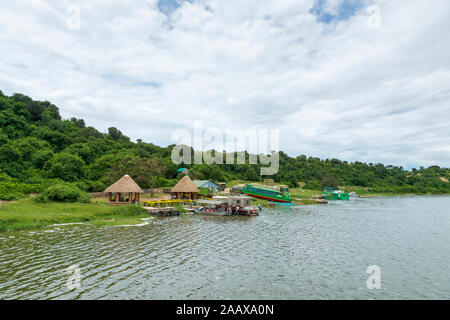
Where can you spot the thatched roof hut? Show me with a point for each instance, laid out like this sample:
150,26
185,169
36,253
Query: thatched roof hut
185,188
124,189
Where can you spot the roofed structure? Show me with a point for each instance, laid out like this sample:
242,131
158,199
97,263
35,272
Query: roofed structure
185,189
123,191
206,184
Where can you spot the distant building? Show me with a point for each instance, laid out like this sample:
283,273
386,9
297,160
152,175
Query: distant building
207,184
182,170
222,185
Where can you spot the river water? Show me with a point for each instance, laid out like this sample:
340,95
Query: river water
305,252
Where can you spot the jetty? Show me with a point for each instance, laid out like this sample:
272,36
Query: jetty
167,207
163,211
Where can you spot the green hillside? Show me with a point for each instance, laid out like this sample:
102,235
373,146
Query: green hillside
38,149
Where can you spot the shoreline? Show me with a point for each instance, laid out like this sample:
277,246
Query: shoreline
26,214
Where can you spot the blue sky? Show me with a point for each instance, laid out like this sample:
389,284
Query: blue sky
343,11
169,6
314,69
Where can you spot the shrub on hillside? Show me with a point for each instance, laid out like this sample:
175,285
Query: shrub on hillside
63,192
12,190
11,196
313,185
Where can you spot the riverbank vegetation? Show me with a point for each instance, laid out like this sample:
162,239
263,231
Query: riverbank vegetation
29,214
39,149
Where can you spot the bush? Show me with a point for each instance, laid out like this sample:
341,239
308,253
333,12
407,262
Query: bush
63,192
96,186
11,196
5,177
313,185
11,190
129,210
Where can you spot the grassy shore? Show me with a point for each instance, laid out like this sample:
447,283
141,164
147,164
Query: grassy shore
29,214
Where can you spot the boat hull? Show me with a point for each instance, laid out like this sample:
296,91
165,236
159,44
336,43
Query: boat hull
336,196
211,212
267,198
285,204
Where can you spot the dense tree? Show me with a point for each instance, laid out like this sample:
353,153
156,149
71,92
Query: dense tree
82,150
11,160
39,158
66,166
117,135
329,181
146,172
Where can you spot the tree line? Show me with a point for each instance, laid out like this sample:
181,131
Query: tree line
38,149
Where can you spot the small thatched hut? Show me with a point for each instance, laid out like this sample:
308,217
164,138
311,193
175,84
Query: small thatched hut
185,189
124,191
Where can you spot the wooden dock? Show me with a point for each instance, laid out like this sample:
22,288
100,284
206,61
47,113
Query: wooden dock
162,211
169,203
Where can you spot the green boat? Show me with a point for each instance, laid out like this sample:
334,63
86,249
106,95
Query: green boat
333,193
275,193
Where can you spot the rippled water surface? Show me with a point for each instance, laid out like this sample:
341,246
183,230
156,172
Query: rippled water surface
307,252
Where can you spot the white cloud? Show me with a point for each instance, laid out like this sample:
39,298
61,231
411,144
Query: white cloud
334,90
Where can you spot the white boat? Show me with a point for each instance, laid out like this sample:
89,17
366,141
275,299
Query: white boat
239,205
212,208
226,206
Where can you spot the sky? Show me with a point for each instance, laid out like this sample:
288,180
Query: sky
357,80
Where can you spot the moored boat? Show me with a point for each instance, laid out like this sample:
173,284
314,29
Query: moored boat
333,193
212,208
353,195
269,193
226,206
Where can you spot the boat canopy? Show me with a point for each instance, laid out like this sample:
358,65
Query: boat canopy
261,186
210,202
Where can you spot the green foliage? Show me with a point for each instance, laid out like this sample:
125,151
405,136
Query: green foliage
146,173
3,138
12,190
204,191
28,146
117,135
66,166
11,160
63,192
130,210
329,181
82,150
313,185
39,158
36,146
181,209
